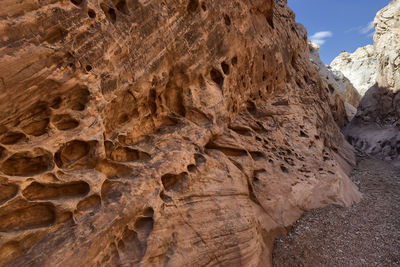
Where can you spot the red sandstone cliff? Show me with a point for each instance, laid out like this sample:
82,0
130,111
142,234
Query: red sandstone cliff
147,132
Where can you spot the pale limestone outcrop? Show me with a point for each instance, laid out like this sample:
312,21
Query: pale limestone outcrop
336,84
376,126
160,133
359,67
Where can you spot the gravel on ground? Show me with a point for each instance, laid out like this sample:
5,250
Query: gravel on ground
366,234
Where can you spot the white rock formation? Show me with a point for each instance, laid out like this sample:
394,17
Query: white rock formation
387,46
359,67
375,128
336,83
379,62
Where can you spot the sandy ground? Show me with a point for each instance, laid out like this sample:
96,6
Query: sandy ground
367,234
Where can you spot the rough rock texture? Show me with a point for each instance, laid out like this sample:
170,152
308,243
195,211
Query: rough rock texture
378,63
387,46
367,234
351,111
347,91
375,128
336,83
147,132
359,67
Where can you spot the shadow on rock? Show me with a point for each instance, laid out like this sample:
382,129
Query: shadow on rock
375,129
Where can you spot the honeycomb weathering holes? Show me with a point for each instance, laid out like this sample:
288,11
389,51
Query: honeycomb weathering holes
225,68
27,216
89,203
71,152
109,12
56,102
113,169
91,13
199,159
148,212
37,128
133,243
284,169
64,122
77,98
121,6
28,163
217,77
192,6
77,2
38,191
7,192
227,20
12,138
234,61
2,152
173,182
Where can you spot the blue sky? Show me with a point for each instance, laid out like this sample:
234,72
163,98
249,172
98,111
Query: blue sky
337,24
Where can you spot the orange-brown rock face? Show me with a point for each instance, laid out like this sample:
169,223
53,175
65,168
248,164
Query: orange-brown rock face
149,132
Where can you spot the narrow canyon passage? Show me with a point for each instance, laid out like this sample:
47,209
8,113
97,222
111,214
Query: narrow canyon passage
367,234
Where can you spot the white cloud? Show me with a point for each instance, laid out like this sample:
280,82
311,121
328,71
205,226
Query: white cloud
319,37
367,29
353,29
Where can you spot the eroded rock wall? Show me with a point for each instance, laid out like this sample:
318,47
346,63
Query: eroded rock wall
159,132
359,67
336,85
376,128
386,46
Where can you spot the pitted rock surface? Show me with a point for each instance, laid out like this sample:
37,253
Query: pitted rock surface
149,132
